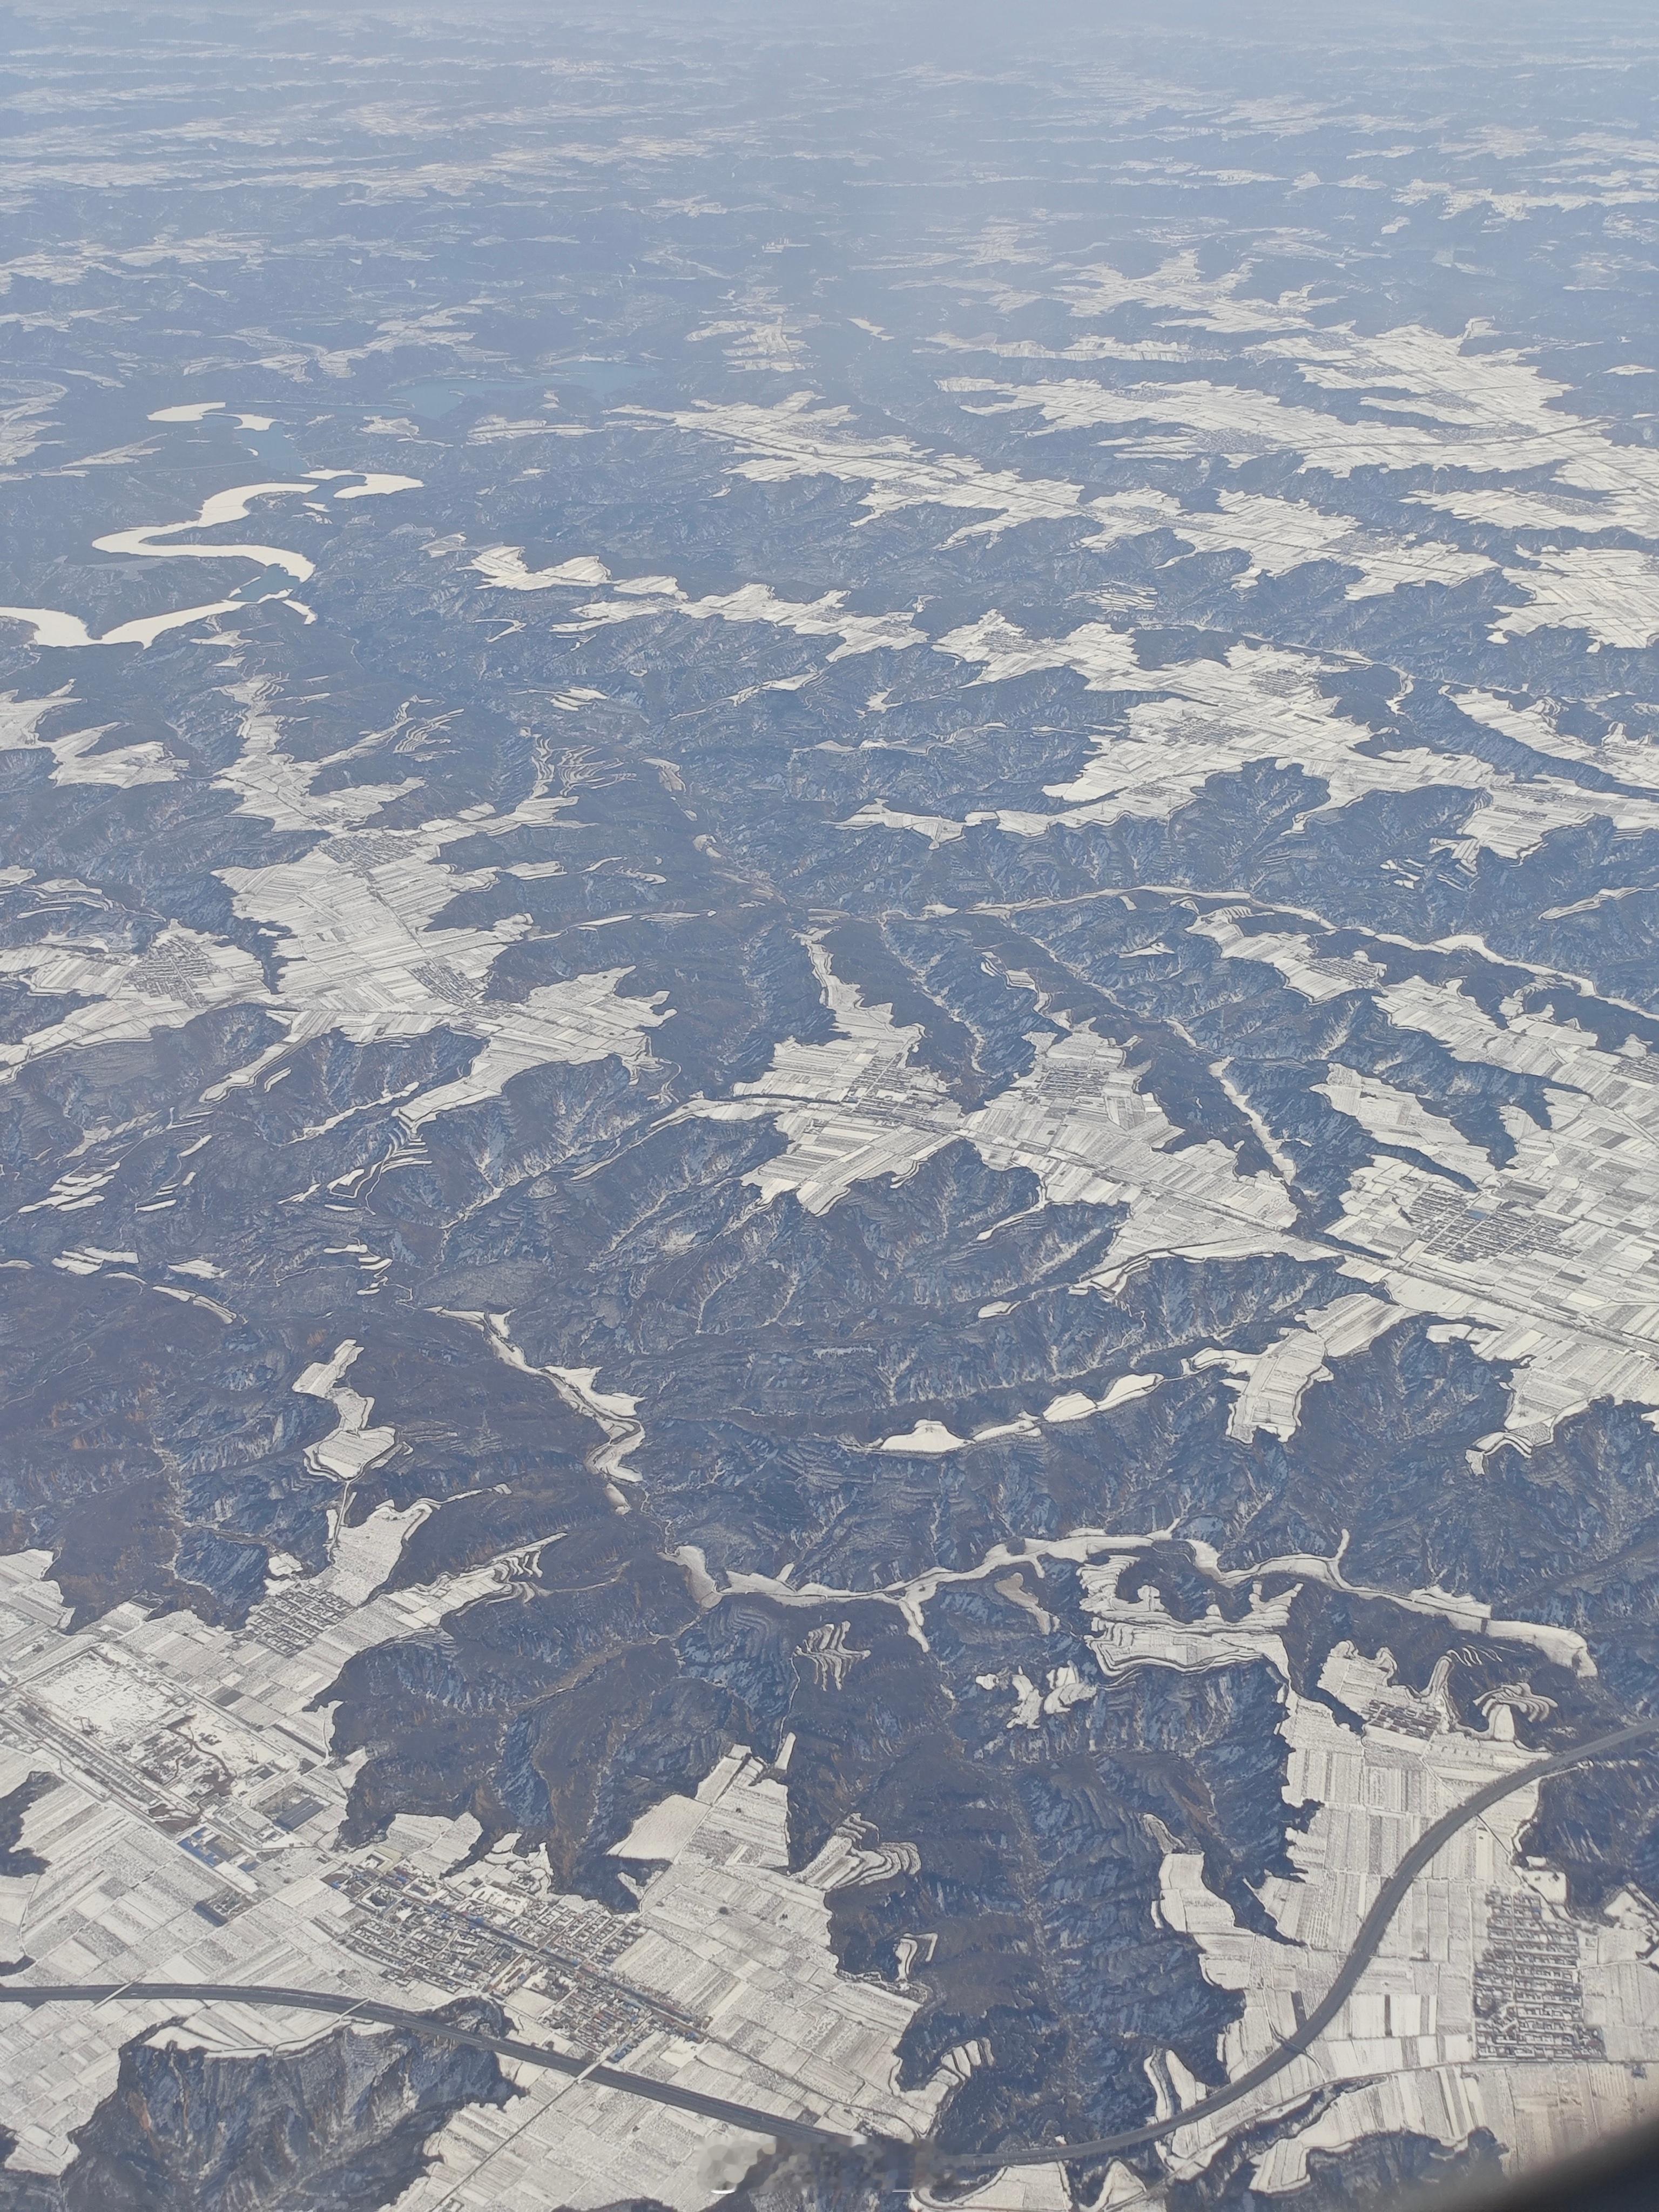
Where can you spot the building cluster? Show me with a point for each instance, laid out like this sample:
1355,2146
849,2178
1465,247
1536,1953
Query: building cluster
1465,1229
1529,1984
184,1804
1483,1977
417,1930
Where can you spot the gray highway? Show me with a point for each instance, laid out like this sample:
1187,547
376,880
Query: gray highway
747,2117
1364,1948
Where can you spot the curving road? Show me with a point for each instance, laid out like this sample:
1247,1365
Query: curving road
1366,1943
1364,1948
